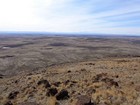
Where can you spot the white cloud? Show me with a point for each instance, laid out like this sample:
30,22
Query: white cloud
91,16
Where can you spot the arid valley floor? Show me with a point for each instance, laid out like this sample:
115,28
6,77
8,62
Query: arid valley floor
70,70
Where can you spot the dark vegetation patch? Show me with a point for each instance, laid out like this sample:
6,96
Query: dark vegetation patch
97,39
48,48
96,48
1,76
136,42
6,56
18,45
90,64
120,61
123,55
59,44
104,78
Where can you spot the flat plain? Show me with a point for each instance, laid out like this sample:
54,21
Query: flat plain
63,70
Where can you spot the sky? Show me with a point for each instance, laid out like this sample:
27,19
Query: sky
71,16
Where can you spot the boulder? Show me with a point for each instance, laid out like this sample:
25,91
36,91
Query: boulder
45,82
84,100
69,71
52,92
13,94
57,84
62,95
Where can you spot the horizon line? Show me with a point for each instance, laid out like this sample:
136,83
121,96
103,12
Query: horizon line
64,33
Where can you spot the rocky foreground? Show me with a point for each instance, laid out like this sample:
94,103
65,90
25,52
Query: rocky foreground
102,82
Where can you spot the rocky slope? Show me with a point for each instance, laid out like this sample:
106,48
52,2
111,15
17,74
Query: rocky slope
102,82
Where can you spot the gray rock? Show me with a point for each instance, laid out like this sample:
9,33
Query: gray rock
84,100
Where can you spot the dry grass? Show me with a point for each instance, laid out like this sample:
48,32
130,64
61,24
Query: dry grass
83,79
105,69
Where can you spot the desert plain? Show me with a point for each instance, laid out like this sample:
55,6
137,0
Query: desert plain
70,70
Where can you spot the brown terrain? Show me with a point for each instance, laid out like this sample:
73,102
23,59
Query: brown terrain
70,70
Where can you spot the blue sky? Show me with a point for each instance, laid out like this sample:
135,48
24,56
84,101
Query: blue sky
71,16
